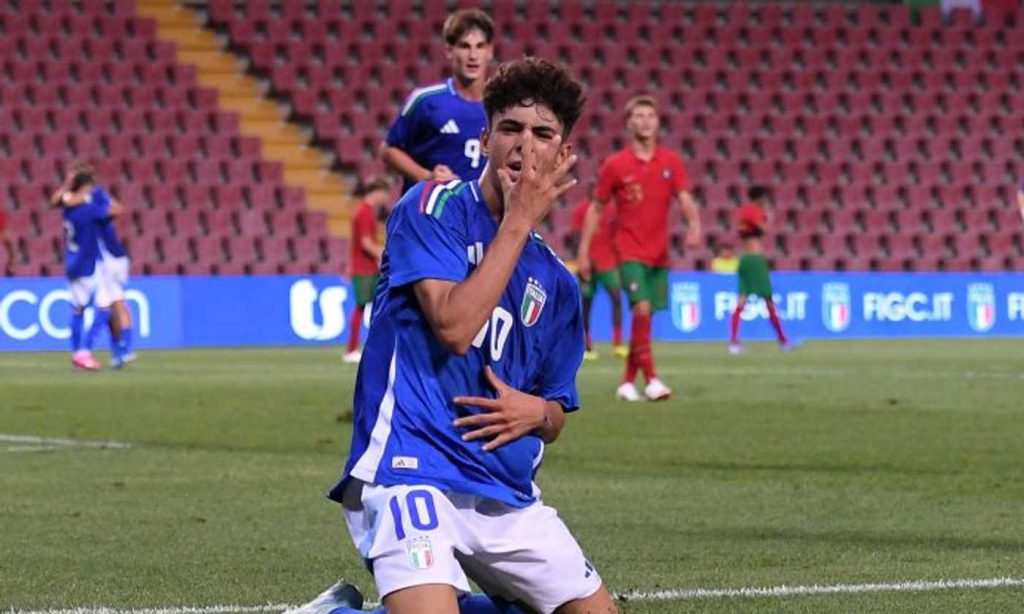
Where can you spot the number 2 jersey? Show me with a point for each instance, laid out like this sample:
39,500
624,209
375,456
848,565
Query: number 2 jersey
82,227
438,126
403,408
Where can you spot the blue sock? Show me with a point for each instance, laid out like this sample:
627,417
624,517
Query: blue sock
478,603
77,321
126,340
101,323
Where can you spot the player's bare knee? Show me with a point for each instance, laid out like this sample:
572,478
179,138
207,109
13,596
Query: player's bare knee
643,308
600,602
423,599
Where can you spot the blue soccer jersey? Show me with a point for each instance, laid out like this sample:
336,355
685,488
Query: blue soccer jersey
402,432
438,126
81,234
110,243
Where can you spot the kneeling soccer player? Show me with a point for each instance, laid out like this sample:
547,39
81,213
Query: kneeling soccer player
467,374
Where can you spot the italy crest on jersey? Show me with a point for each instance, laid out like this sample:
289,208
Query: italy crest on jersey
835,306
686,306
534,298
981,307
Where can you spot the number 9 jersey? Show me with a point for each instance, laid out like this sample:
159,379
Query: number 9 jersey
403,409
438,126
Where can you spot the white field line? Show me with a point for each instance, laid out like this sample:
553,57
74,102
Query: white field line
666,595
23,443
816,589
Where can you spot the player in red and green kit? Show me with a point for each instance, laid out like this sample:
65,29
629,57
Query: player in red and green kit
364,265
753,220
604,264
642,180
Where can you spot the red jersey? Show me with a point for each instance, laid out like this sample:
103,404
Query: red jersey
751,220
364,224
602,250
3,220
642,191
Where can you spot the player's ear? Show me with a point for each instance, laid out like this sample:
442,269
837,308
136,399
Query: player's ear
485,141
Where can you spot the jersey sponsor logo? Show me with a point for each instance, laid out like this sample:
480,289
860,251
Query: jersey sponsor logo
686,306
405,462
981,307
421,553
303,299
835,306
450,127
534,298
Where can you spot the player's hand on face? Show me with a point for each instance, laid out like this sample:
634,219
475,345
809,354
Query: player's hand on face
442,173
543,178
507,418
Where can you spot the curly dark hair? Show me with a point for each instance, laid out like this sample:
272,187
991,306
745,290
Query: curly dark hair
531,81
461,22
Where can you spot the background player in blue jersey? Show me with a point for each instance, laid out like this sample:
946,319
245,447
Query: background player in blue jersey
111,278
468,371
437,133
84,207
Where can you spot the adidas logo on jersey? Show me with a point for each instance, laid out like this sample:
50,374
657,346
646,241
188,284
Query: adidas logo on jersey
450,127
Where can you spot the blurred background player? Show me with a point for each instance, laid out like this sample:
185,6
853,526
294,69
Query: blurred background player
725,261
111,278
753,221
8,242
604,272
364,265
642,180
84,207
436,137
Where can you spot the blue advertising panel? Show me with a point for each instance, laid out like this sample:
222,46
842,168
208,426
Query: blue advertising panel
35,313
312,310
842,305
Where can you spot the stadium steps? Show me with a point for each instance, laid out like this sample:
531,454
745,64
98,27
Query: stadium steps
237,92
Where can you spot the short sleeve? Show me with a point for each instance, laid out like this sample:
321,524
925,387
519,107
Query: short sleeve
427,237
100,202
605,182
564,354
404,127
681,181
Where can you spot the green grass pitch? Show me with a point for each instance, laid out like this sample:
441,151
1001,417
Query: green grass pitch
841,463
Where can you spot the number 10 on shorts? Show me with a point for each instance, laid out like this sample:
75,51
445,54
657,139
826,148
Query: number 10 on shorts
422,514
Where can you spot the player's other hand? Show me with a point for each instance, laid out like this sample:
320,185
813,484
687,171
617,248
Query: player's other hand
542,178
693,237
442,173
583,268
507,418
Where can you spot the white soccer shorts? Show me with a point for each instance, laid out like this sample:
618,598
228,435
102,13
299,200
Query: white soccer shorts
112,277
416,535
81,290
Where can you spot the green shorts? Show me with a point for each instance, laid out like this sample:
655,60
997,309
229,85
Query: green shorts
645,283
609,280
754,278
365,287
